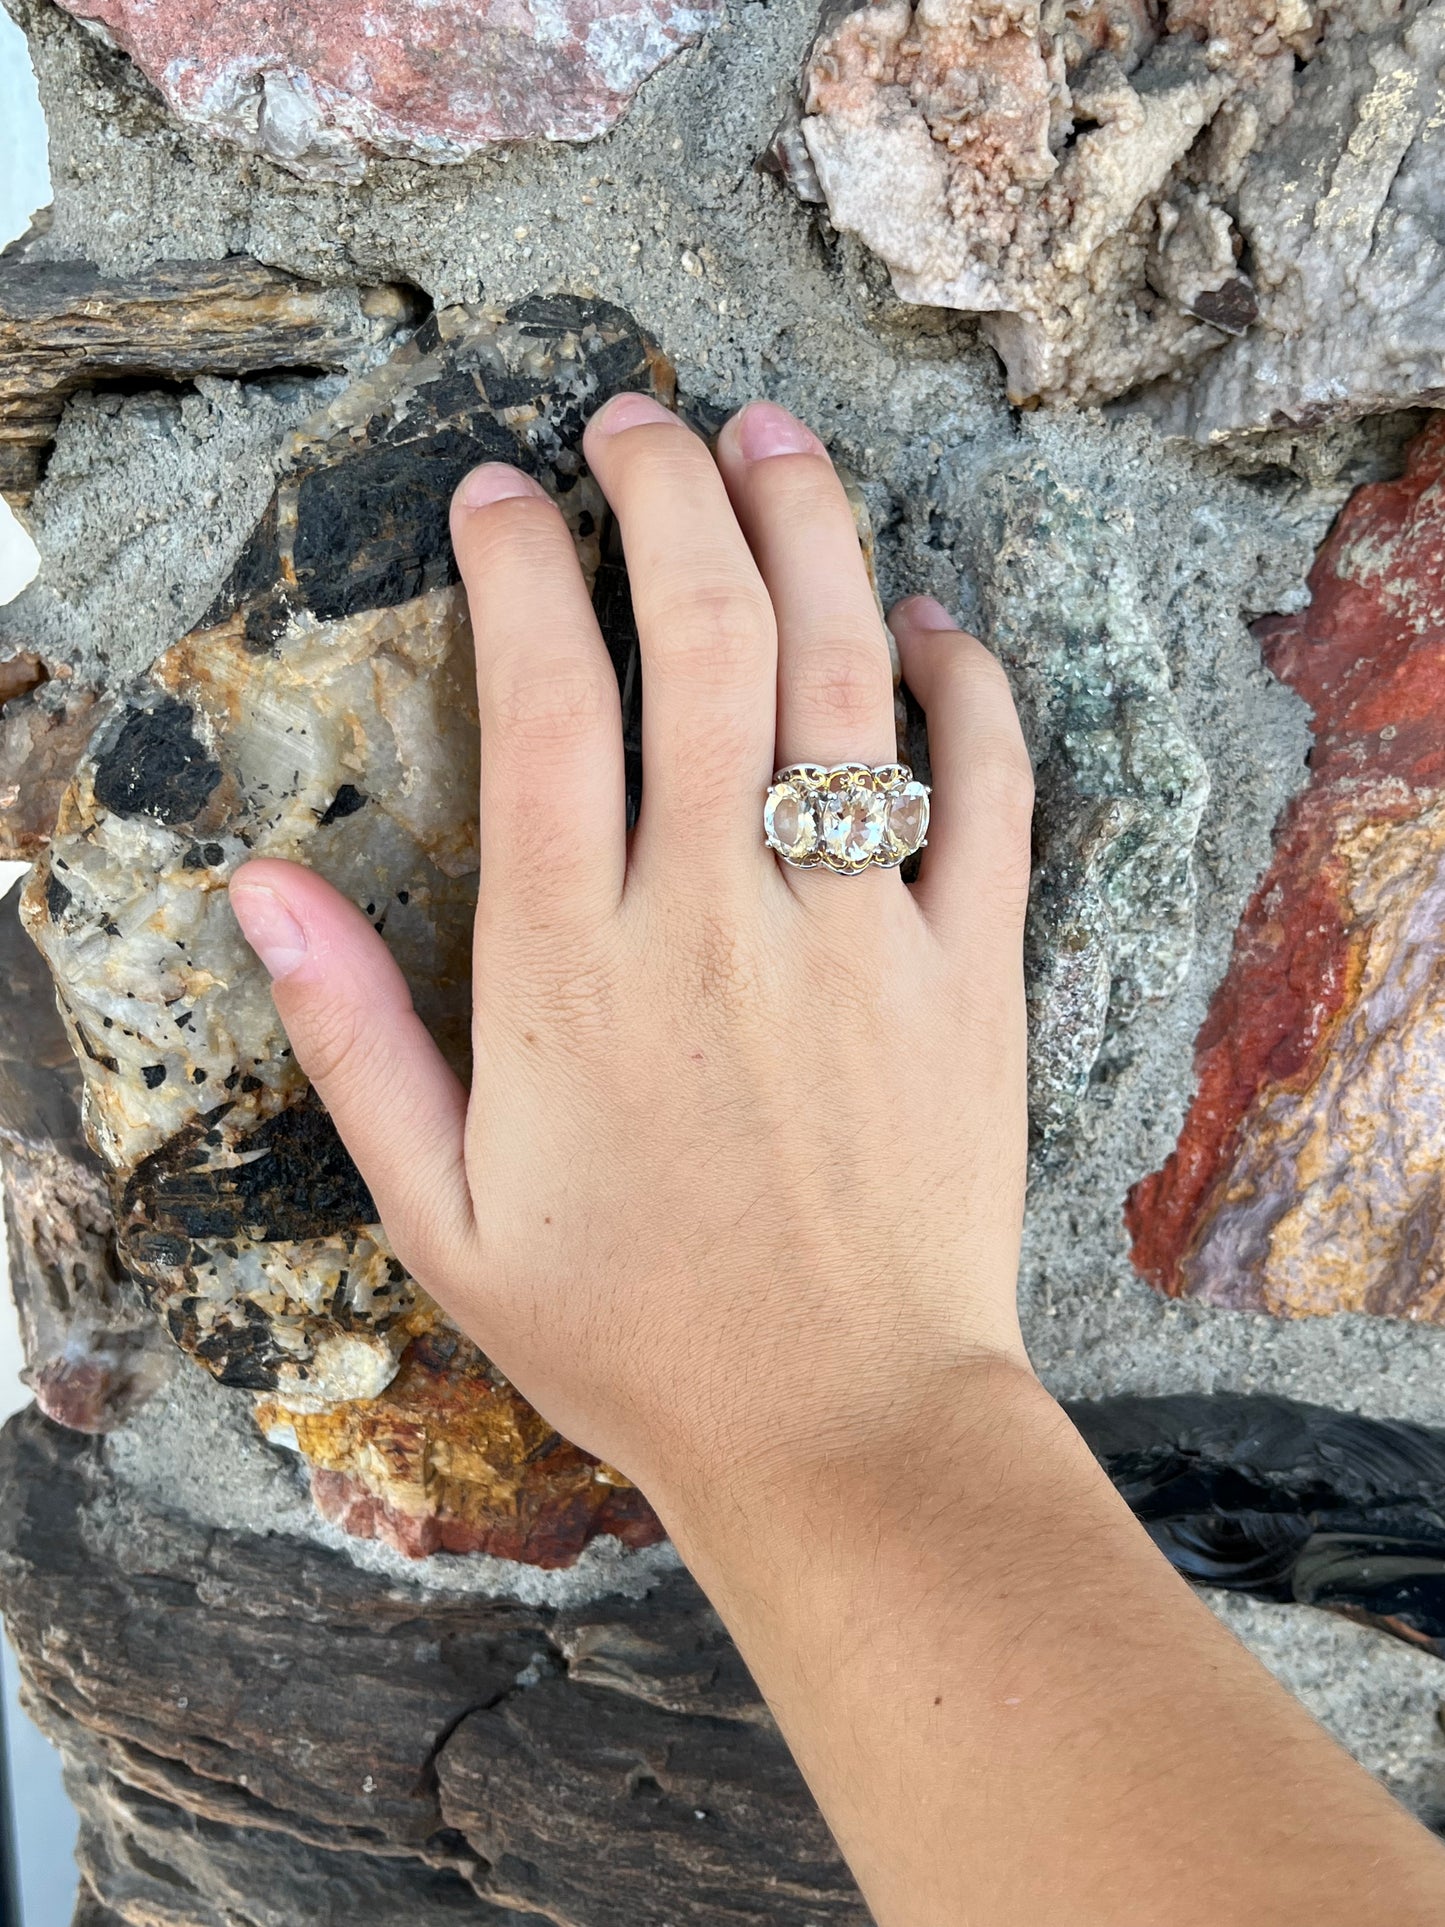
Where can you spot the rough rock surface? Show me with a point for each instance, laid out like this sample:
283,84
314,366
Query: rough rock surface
596,1765
1120,189
43,735
1343,212
92,1347
326,709
1320,1060
310,87
1121,783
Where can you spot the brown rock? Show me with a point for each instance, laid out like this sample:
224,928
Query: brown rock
258,1732
19,674
43,735
64,326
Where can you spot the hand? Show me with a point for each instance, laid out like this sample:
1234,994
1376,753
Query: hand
735,1200
741,1170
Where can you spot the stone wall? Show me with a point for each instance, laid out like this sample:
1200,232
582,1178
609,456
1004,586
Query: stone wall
1125,324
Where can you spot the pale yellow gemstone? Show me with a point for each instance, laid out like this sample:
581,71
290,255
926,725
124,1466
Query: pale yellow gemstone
908,817
790,821
854,821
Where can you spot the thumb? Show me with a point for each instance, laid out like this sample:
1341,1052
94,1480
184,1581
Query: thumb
396,1104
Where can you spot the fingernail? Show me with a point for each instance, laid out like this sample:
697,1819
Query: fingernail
628,411
270,929
494,482
922,612
763,429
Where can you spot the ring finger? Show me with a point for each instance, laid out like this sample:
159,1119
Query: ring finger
835,680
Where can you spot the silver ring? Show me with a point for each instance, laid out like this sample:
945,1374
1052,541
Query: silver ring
846,818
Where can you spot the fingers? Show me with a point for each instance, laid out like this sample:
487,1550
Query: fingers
708,640
397,1106
975,872
553,806
835,681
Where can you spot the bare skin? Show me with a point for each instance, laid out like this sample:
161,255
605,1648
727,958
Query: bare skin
735,1200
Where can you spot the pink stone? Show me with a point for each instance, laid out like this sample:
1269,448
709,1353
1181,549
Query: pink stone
321,85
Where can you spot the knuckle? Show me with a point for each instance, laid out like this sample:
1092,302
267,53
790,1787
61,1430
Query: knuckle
713,632
330,1042
547,704
848,684
1004,780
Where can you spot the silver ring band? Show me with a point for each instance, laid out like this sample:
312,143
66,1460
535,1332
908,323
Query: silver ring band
847,817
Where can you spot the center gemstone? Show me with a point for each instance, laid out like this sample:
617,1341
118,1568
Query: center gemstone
854,820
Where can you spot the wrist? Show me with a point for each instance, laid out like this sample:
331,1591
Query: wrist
881,1458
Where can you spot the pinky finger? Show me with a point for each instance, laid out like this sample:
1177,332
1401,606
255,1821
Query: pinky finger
975,874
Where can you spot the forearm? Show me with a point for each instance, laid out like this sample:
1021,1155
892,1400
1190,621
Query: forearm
1011,1710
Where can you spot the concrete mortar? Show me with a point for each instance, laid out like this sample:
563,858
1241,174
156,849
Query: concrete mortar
147,501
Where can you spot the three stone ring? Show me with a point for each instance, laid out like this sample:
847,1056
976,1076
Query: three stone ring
847,818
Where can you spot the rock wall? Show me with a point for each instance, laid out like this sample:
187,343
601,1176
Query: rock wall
287,294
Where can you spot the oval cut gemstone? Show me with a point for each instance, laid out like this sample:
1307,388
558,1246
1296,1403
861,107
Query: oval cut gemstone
790,821
854,820
908,817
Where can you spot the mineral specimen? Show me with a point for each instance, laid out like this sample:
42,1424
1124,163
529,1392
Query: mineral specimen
1117,189
93,1350
42,735
1121,786
256,1724
1343,212
64,326
325,710
449,1458
1308,1173
318,90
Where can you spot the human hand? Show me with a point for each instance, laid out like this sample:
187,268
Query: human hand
741,1171
735,1201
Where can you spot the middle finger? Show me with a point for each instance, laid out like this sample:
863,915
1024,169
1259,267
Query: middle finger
707,634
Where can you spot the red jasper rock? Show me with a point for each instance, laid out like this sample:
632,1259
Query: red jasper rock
450,1458
319,85
1308,1175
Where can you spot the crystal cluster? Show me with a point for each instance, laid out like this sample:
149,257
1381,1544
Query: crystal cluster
1129,192
847,818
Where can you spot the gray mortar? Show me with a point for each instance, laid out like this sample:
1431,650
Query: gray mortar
144,505
194,1448
913,405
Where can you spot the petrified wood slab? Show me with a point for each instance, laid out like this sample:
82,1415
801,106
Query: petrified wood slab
236,1702
64,326
1308,1174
